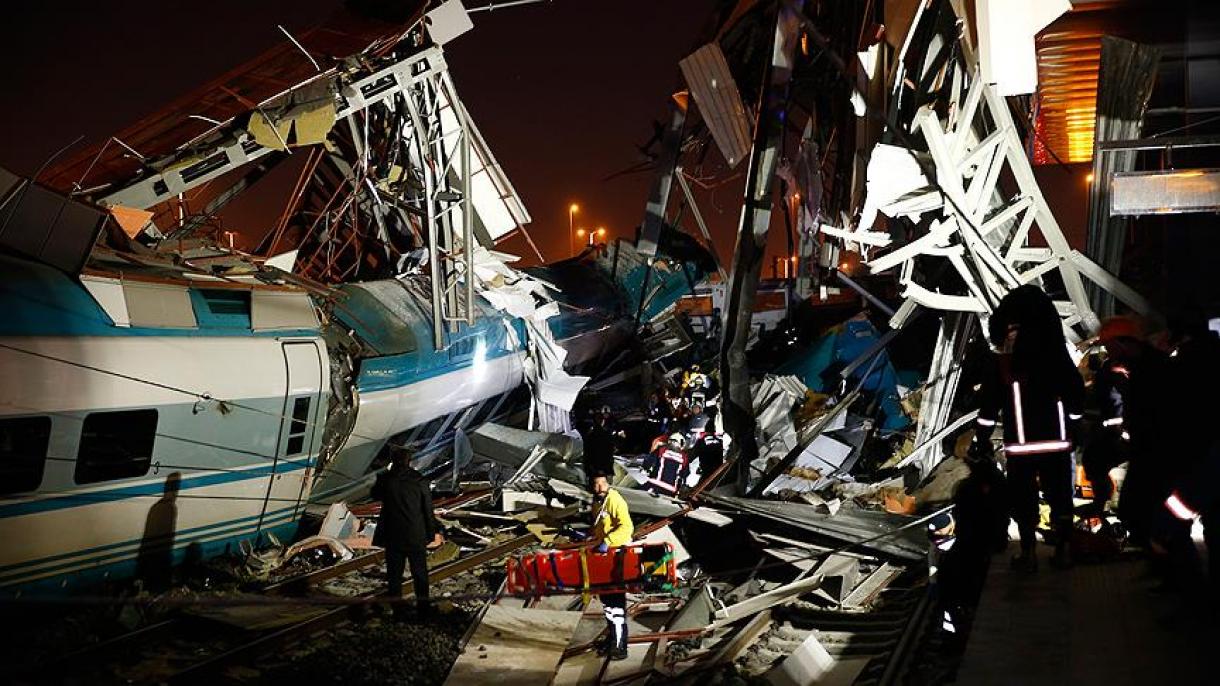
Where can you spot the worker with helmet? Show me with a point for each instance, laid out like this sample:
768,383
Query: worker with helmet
1038,392
612,528
668,466
694,385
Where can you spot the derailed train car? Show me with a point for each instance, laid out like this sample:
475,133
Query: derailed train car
148,418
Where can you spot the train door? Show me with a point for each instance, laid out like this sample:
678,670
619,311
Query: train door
300,433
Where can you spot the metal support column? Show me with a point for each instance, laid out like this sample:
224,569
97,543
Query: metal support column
752,239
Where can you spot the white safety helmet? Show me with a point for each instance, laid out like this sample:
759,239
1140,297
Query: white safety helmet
678,440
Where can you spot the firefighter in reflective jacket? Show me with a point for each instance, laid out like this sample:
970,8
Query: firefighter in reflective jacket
612,528
1109,440
667,466
1034,386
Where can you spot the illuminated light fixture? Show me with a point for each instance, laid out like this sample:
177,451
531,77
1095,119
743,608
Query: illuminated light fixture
1080,133
1089,178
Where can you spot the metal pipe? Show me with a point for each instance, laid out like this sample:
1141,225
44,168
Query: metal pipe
1159,143
467,218
847,280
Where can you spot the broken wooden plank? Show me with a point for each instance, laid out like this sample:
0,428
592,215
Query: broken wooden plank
864,593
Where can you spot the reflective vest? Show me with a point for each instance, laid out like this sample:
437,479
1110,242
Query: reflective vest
668,470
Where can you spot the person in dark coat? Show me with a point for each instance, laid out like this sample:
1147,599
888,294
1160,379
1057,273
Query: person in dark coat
406,529
709,449
1038,392
599,441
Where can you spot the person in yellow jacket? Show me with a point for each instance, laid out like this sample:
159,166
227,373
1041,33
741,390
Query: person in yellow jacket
612,528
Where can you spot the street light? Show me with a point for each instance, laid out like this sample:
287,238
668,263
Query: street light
572,210
601,233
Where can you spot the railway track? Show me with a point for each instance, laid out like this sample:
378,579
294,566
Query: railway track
239,647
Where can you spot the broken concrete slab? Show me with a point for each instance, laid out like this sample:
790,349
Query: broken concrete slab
812,664
514,646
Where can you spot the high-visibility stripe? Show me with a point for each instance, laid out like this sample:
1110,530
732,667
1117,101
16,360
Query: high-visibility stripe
1016,403
662,484
1037,447
1179,508
985,422
1113,421
1073,416
1062,424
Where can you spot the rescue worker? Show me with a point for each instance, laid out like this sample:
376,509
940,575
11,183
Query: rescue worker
659,411
694,385
406,529
709,450
1140,421
1108,442
1196,497
599,441
980,518
667,466
696,423
1189,460
612,528
1034,386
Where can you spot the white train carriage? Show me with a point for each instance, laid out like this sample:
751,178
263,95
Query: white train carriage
145,423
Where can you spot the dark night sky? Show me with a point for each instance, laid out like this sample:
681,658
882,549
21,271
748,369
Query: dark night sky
563,92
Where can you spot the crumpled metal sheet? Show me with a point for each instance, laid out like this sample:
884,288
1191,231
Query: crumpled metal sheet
849,525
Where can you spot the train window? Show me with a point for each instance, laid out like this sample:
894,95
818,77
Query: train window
23,452
299,426
115,445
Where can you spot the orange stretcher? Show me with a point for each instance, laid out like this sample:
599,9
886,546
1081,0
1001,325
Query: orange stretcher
637,567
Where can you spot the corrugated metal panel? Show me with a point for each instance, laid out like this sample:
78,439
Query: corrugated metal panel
1158,192
715,91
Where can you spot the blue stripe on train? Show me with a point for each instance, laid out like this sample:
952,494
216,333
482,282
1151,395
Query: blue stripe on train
35,568
136,541
55,585
17,509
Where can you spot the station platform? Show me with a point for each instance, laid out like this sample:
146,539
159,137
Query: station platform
1101,623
